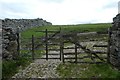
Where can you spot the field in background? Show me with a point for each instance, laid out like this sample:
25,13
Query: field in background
101,27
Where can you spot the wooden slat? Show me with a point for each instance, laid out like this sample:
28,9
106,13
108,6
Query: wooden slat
88,62
69,48
86,33
79,57
100,45
54,49
69,57
72,53
66,41
41,49
53,44
99,52
25,49
53,54
48,58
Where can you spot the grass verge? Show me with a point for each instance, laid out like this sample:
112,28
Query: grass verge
9,68
68,70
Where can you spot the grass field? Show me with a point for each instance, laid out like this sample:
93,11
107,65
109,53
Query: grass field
103,27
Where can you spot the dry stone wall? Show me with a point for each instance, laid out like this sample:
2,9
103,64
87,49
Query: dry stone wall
9,34
115,42
9,44
24,24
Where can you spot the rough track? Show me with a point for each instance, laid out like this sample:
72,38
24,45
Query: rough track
40,69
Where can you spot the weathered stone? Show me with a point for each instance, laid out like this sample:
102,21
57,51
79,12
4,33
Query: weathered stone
5,54
9,44
115,43
6,41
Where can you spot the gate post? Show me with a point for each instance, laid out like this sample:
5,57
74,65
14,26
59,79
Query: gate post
75,52
60,45
108,48
62,52
75,40
33,47
18,41
61,48
46,41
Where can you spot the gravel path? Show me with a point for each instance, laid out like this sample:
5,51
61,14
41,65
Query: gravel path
40,69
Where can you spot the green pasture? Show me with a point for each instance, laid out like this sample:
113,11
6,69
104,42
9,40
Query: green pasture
101,27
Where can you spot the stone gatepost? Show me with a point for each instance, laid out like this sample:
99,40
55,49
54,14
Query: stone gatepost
115,42
9,44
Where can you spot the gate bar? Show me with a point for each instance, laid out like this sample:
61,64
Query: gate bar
46,40
33,47
108,48
75,53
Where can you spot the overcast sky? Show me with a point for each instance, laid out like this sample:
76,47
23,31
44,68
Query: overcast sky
61,11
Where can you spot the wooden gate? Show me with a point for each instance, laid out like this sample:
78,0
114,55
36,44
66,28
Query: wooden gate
51,43
66,47
73,53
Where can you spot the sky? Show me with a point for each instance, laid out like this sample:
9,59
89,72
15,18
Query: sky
61,12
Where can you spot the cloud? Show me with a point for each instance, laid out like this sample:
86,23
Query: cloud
13,7
52,1
61,11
